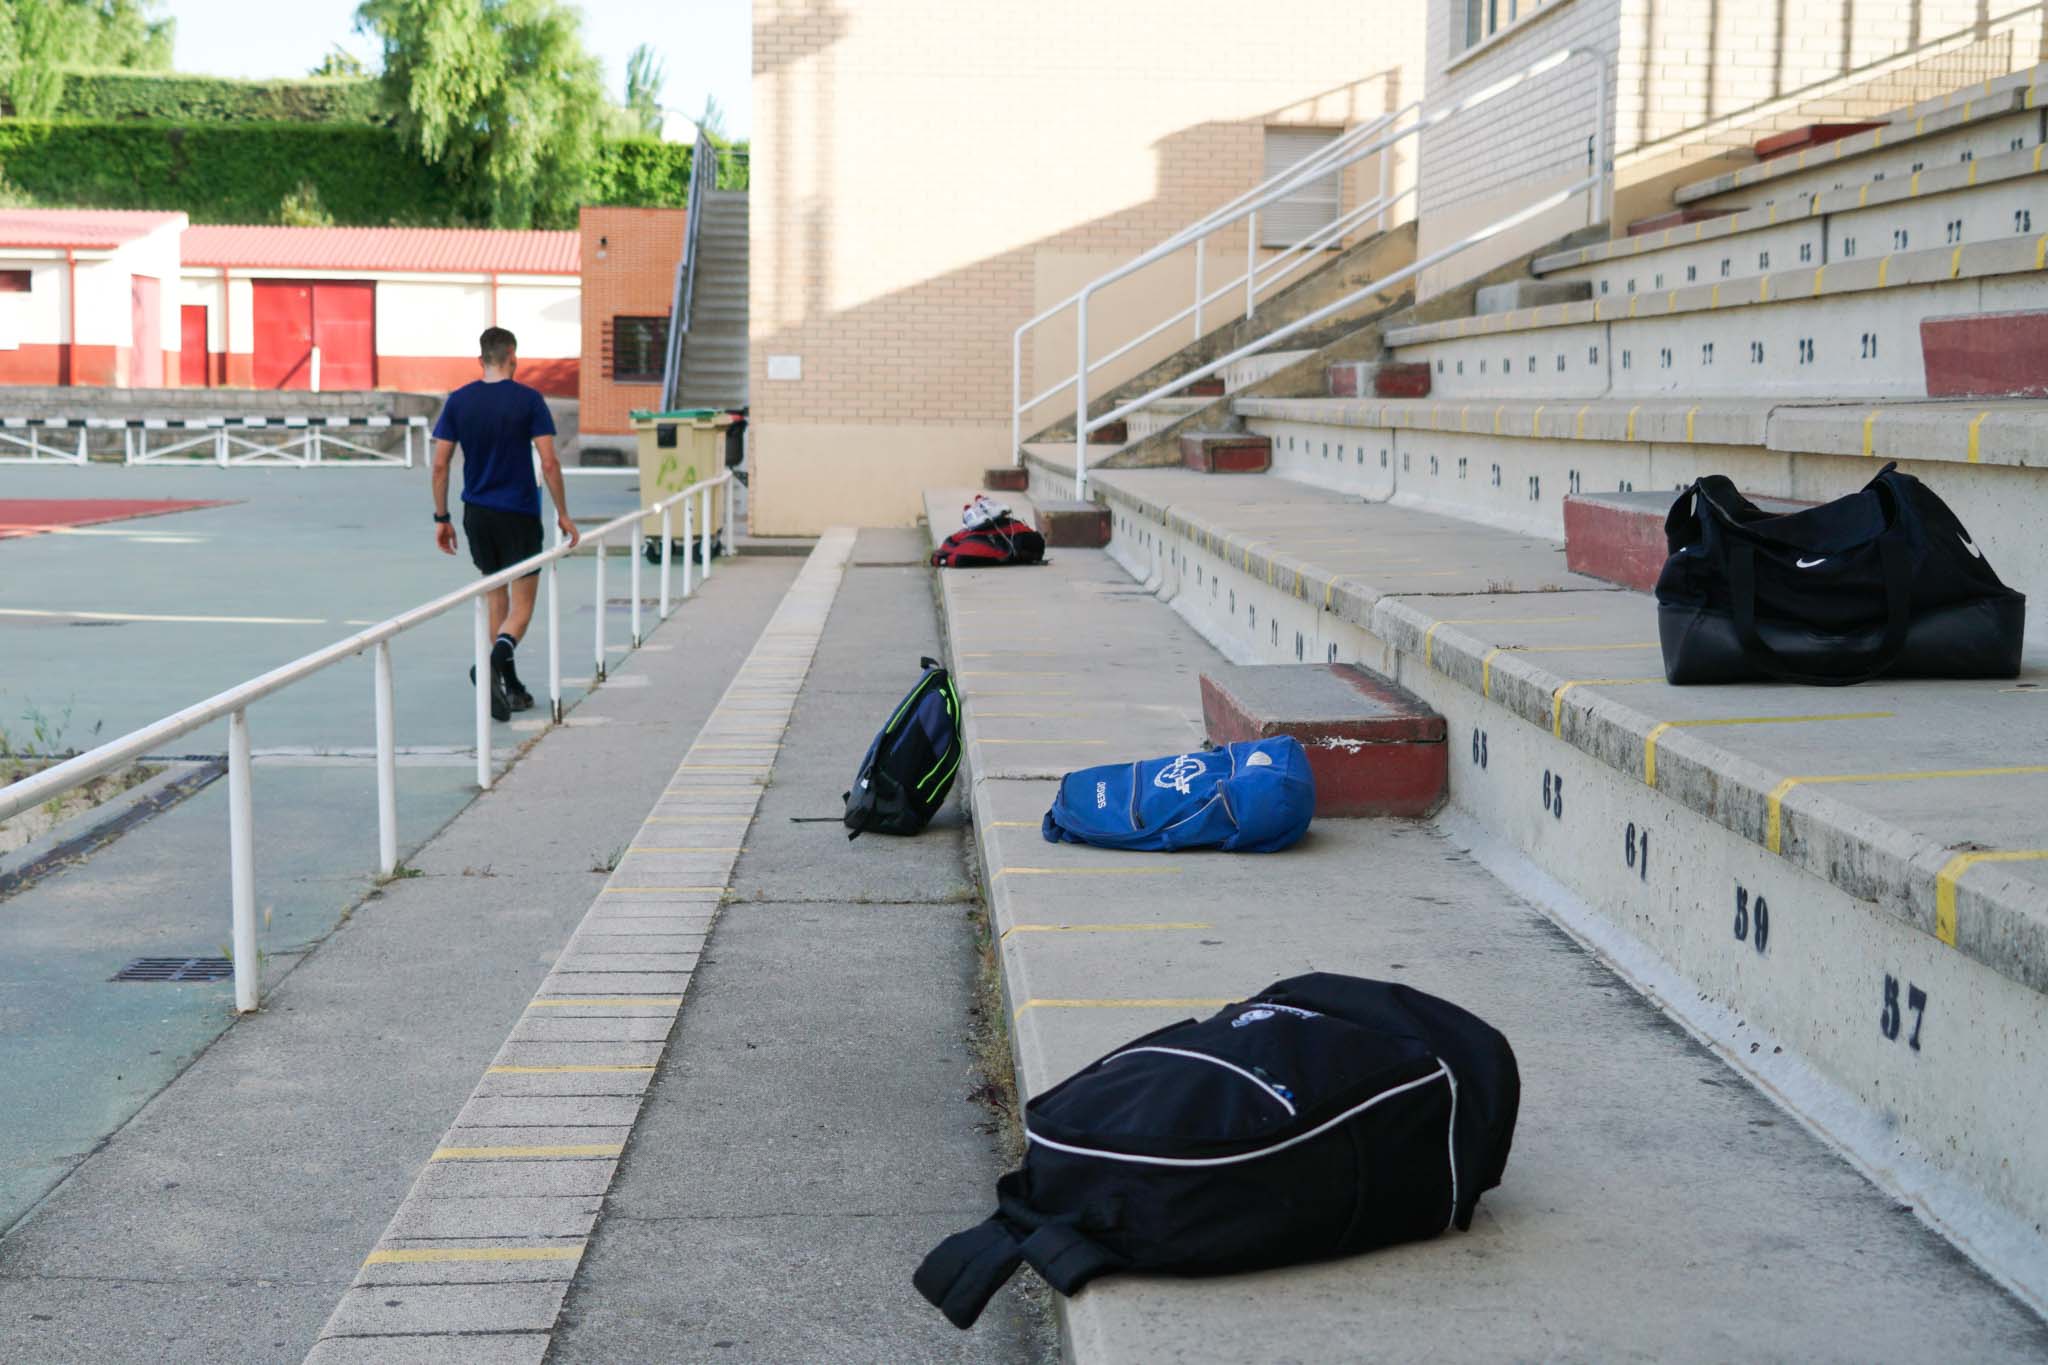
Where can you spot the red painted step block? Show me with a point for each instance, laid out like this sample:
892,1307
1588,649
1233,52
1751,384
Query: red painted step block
1074,525
1009,478
1620,536
1212,387
1675,218
1114,434
1374,748
1226,452
1812,135
1401,379
1986,355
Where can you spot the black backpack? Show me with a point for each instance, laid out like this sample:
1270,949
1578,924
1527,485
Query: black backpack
911,765
1885,582
1326,1115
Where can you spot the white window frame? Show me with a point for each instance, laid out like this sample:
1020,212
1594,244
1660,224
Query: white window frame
1478,24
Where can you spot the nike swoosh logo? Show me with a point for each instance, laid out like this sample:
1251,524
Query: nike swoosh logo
1809,563
1971,546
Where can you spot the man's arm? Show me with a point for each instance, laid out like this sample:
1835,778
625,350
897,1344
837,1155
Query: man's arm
551,475
444,532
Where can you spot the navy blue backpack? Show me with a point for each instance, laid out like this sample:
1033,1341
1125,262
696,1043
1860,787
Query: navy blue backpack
1253,797
910,767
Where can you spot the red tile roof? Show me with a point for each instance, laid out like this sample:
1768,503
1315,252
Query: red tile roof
99,229
465,250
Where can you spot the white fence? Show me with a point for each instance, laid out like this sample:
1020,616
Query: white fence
234,703
217,442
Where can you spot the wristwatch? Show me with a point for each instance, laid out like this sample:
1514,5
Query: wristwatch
442,519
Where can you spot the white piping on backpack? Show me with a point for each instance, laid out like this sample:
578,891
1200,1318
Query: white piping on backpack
1441,1071
1451,1141
1205,1057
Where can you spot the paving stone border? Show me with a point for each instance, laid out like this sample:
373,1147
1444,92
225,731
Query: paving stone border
474,1265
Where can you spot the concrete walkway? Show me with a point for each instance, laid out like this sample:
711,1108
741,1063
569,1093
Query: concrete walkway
810,1134
1655,1206
226,1219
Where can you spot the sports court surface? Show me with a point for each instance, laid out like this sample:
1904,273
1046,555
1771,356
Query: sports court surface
127,594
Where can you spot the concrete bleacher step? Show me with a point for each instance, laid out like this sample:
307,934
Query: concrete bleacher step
1373,748
1242,374
1619,537
1641,1168
1162,413
1891,832
1807,137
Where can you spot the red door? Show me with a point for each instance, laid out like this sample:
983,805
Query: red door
292,316
283,356
345,330
146,358
195,369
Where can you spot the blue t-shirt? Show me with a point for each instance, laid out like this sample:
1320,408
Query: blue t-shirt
496,424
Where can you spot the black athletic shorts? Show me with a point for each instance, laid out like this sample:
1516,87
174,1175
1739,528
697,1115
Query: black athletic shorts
499,539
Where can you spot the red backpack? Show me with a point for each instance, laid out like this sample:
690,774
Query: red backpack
992,537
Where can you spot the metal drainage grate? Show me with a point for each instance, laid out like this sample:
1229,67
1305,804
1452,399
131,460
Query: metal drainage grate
176,969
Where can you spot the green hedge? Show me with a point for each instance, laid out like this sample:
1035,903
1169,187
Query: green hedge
173,97
241,172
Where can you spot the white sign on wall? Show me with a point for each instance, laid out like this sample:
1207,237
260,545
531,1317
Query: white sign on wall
785,367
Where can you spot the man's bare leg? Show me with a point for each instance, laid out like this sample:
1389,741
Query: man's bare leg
495,611
519,616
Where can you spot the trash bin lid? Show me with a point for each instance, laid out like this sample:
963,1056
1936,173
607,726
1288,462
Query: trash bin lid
699,416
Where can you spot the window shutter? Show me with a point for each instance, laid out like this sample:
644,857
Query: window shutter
1314,205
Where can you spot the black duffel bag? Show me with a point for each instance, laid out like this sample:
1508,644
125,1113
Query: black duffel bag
1324,1116
1882,583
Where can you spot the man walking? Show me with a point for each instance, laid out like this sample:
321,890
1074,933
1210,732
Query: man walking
496,420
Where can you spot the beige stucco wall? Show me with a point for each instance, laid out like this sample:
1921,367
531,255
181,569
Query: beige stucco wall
927,175
1691,81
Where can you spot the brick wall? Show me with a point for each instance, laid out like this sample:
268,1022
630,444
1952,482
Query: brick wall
634,276
928,174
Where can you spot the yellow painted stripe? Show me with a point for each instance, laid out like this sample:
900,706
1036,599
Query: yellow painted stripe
1690,413
697,819
1041,741
1714,300
1884,269
1952,871
761,744
1763,289
1869,432
1631,433
657,890
1010,824
1650,741
1913,190
1163,1003
1819,274
1087,871
1536,421
687,848
555,1070
508,1153
1955,258
556,1001
418,1255
1557,697
1486,673
1977,422
1774,823
1106,928
1579,424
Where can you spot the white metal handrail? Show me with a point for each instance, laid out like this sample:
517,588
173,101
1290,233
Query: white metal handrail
235,701
1350,147
1246,206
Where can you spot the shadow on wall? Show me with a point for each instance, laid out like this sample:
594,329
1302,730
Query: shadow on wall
911,387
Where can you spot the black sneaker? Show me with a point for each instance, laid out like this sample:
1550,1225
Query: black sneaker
515,691
501,705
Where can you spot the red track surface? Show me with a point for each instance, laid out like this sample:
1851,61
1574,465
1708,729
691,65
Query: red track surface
33,516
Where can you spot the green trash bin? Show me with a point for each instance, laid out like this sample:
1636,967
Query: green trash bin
678,449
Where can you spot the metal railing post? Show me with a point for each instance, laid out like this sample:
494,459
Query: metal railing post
1596,199
1200,245
687,543
480,640
1251,273
1081,400
387,764
704,510
597,670
667,554
732,530
555,638
1017,395
633,558
1385,152
242,865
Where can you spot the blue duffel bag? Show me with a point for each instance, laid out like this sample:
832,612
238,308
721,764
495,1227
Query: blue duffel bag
1252,797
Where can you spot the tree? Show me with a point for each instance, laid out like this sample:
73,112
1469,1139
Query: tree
38,38
339,61
644,77
500,94
712,120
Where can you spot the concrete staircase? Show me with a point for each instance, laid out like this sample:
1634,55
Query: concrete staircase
1842,894
715,351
